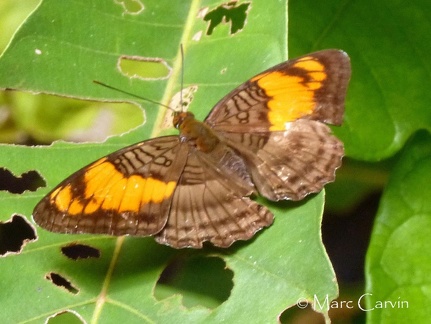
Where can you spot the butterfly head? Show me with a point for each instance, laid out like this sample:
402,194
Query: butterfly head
181,117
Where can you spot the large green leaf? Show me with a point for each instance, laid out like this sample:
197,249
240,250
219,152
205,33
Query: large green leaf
387,103
398,260
60,50
388,43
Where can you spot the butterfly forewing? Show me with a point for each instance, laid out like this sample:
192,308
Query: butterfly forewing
127,192
312,86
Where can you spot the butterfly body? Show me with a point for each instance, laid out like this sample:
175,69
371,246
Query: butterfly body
195,132
267,137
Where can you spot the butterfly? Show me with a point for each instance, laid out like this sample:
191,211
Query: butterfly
267,137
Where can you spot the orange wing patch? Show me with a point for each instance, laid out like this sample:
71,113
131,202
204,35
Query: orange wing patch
62,197
292,96
108,189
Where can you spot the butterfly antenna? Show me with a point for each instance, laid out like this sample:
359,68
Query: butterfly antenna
182,77
132,94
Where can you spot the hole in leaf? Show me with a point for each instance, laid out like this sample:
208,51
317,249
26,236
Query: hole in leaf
302,314
338,312
228,13
197,37
144,68
200,280
131,7
30,180
60,281
50,118
67,316
15,234
77,251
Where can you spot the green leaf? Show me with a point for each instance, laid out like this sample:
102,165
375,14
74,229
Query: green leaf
60,50
398,264
387,104
388,43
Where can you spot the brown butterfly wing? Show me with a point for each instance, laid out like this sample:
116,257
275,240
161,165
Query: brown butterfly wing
211,202
127,192
275,121
290,164
312,86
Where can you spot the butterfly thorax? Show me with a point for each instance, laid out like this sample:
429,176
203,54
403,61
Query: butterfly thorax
195,132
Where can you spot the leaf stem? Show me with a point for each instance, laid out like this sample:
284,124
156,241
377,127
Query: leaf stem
102,296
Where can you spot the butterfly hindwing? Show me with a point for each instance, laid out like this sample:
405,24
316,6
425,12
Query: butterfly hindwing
290,164
211,202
